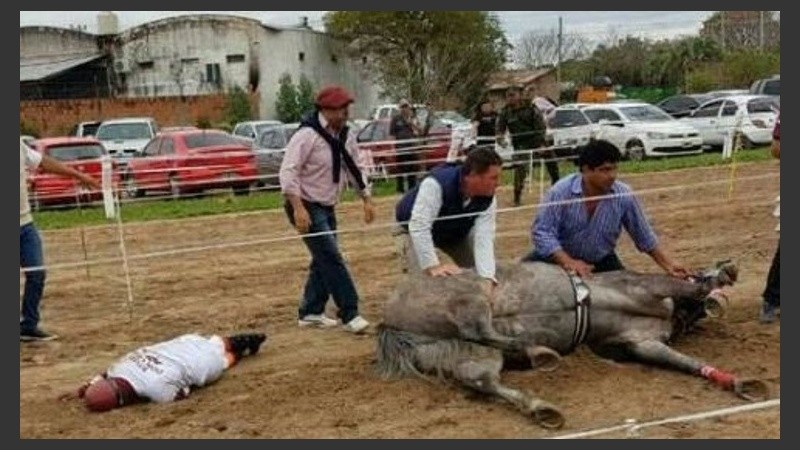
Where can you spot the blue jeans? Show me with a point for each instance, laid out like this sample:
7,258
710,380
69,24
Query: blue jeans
608,263
30,255
328,274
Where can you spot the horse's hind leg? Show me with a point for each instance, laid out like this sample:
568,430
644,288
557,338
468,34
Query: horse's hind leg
472,315
483,375
658,353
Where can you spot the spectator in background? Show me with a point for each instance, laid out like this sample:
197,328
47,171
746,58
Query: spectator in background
528,132
404,127
483,123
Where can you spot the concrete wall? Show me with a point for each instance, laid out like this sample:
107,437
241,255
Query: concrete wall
180,49
56,117
48,41
324,62
170,56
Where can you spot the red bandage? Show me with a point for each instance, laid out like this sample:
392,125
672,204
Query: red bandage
718,377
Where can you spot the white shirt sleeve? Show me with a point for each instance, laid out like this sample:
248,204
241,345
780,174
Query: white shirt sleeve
32,157
483,242
420,227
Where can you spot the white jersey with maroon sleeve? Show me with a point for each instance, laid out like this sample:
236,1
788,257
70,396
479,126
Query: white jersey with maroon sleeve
162,371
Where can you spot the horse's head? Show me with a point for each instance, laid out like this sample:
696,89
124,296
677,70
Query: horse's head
724,273
714,302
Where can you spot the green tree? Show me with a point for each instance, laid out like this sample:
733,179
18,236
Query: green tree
238,107
287,105
434,56
744,30
305,95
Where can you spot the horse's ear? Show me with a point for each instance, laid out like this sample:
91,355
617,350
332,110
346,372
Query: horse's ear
728,271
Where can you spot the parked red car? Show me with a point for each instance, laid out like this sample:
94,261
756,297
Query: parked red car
374,138
191,161
82,154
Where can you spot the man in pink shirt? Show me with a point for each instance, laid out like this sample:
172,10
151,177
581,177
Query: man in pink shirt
319,159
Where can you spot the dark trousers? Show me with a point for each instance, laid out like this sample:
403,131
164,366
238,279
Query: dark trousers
31,255
772,292
328,274
609,263
521,170
405,171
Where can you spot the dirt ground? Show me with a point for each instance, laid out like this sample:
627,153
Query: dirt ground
320,383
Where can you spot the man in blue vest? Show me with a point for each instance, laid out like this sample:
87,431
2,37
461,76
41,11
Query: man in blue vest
466,192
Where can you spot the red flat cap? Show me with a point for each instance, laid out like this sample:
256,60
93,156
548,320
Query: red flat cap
333,97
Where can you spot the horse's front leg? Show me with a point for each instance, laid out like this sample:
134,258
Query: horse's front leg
660,354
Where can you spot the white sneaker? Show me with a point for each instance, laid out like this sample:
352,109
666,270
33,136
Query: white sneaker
317,320
356,325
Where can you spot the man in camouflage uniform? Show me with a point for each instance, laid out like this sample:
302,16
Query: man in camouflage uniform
527,127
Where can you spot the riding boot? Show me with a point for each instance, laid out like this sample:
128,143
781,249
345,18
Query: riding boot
246,344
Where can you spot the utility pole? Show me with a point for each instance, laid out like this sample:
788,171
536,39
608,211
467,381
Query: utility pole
761,31
560,44
722,25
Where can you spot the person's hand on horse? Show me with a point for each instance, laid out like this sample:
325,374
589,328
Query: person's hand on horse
677,271
302,221
578,267
369,210
443,270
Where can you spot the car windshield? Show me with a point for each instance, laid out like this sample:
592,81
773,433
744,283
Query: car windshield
772,87
266,126
762,105
90,129
114,131
645,113
75,152
200,140
568,119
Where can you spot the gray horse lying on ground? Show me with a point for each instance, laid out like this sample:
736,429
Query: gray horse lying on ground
445,326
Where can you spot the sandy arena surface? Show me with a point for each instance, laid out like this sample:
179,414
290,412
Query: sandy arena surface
320,383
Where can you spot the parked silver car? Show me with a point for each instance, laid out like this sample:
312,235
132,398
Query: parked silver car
269,148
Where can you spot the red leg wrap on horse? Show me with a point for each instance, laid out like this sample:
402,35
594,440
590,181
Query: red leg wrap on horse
718,377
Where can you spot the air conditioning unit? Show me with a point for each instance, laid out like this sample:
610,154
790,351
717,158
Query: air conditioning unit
122,66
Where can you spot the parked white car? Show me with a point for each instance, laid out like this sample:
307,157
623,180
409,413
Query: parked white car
126,137
718,118
569,126
641,130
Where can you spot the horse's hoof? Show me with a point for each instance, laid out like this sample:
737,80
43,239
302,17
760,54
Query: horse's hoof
716,304
547,416
544,359
751,389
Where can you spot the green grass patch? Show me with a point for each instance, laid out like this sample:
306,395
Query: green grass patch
222,204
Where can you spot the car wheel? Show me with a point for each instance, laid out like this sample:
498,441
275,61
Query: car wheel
36,205
241,190
635,151
174,187
131,188
745,142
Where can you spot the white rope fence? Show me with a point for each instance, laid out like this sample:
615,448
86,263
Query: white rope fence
632,427
385,225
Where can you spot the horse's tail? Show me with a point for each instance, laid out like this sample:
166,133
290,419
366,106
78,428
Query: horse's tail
396,353
401,353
